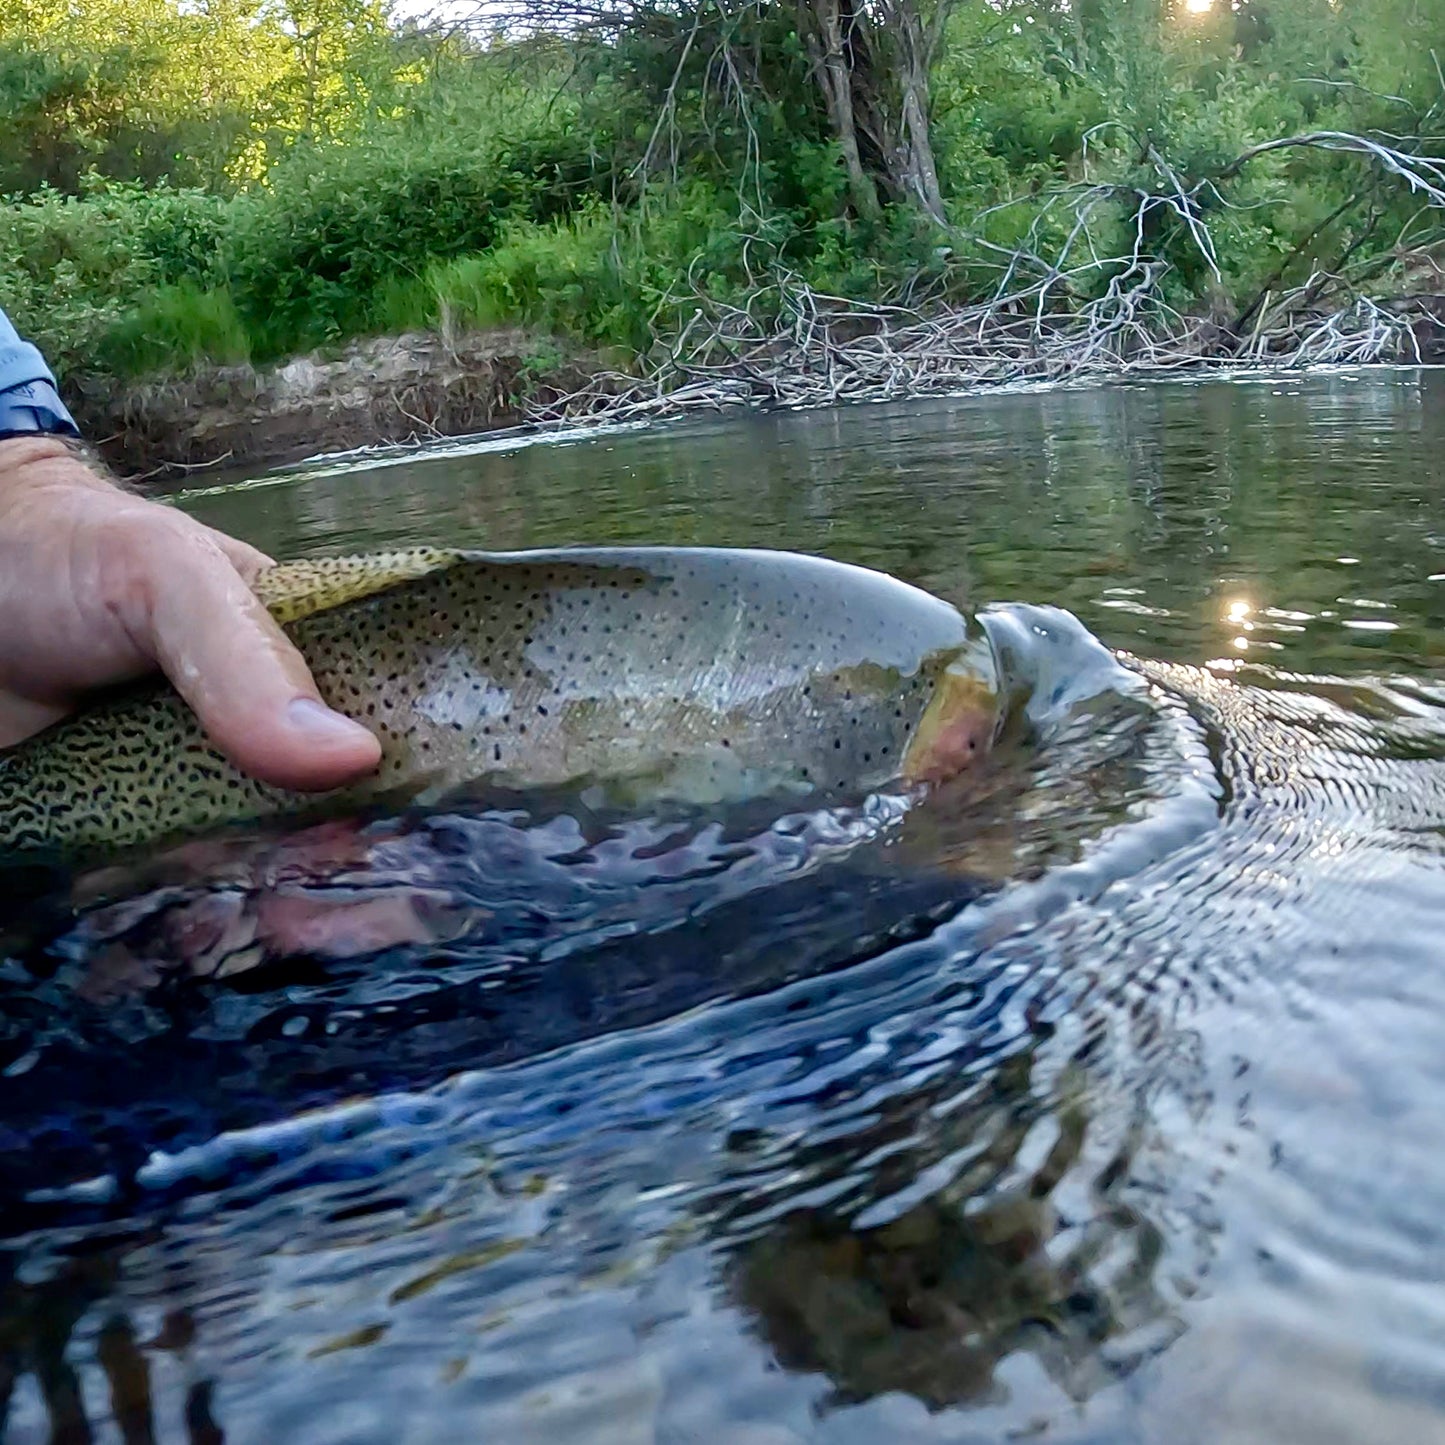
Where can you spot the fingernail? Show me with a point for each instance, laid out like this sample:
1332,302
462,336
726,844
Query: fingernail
319,722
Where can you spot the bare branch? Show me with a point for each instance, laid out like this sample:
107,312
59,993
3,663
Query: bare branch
1072,312
1425,174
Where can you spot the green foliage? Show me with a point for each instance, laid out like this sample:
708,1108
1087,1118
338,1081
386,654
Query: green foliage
1003,114
400,304
176,327
308,255
77,265
592,278
167,91
235,179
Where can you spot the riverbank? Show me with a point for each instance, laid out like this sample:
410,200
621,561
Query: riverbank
382,391
813,350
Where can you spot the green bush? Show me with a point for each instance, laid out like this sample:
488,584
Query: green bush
310,254
175,328
566,278
76,265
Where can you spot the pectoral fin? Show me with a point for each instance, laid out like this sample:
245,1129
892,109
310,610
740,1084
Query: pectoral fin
293,590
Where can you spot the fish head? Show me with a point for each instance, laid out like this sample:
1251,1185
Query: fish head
960,724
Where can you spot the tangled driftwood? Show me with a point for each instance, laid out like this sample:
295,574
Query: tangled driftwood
1072,313
812,349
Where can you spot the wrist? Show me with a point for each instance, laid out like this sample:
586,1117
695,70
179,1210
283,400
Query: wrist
46,462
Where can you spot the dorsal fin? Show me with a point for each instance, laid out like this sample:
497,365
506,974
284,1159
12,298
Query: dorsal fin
292,590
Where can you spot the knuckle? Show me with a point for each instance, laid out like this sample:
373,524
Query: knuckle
146,550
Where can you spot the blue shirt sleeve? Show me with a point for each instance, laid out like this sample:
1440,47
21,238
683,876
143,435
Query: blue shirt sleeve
28,396
19,360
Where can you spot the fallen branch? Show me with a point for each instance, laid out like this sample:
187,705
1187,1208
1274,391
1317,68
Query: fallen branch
788,345
819,350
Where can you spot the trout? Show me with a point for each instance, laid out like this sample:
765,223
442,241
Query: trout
666,673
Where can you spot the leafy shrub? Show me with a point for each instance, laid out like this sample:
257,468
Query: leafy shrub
310,253
175,328
603,277
75,265
564,278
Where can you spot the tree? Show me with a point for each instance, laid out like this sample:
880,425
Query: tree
207,92
872,63
868,62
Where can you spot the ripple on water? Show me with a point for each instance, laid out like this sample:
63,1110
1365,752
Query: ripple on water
947,1186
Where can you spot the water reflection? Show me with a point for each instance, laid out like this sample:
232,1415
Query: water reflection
38,1321
954,1226
985,1264
1188,494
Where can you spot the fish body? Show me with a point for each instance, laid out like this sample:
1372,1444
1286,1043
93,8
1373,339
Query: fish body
694,674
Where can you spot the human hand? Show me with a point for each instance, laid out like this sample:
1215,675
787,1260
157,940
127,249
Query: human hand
98,586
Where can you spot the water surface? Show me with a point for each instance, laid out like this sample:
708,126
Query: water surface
1100,1103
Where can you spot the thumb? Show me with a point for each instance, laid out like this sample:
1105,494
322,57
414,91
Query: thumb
245,681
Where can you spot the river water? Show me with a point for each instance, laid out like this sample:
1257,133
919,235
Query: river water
1103,1103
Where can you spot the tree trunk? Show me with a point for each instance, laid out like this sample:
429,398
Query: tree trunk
835,76
919,172
873,66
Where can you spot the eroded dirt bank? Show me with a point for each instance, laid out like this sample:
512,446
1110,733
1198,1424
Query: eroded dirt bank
385,391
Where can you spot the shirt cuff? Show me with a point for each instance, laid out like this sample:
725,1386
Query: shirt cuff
20,361
35,406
